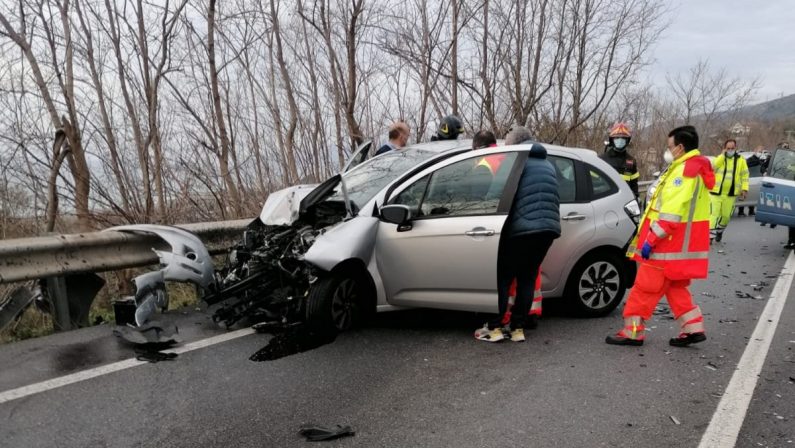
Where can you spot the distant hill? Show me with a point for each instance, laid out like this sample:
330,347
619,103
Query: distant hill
773,110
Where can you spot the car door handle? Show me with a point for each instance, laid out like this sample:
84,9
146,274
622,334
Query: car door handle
768,185
574,217
480,232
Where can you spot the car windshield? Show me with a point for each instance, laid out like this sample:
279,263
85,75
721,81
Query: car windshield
367,179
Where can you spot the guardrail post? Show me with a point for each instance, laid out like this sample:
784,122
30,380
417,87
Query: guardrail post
56,291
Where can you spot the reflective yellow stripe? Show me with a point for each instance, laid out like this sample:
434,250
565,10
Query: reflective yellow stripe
670,217
633,327
629,177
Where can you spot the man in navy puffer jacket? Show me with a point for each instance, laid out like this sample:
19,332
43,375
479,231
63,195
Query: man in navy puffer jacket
532,225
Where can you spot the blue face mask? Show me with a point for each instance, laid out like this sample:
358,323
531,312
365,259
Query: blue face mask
620,143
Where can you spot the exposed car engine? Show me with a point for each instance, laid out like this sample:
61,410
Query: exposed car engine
265,277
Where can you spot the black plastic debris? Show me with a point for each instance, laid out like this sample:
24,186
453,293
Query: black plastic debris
149,340
315,433
17,302
745,295
294,339
152,355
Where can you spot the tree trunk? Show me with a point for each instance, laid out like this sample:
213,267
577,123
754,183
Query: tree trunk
223,154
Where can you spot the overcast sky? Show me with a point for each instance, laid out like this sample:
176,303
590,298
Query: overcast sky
750,38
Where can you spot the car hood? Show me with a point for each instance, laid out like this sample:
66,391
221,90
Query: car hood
284,207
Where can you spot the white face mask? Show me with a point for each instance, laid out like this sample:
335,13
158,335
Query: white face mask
668,156
730,153
620,143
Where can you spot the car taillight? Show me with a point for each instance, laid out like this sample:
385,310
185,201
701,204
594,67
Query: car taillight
633,210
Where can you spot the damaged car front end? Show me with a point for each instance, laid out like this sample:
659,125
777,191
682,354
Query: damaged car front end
305,258
266,277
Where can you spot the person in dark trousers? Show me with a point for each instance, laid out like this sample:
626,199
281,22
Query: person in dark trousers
533,223
617,155
398,135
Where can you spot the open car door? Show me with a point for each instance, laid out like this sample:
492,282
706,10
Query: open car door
360,155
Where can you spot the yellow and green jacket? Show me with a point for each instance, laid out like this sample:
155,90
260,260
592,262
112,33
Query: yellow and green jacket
731,175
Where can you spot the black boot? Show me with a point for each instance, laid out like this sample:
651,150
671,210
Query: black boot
685,339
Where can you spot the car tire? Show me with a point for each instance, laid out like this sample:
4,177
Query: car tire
597,284
335,303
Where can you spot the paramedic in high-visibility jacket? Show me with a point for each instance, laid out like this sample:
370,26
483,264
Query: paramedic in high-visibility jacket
672,244
731,182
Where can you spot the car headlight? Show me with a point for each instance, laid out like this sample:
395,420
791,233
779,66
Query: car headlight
633,210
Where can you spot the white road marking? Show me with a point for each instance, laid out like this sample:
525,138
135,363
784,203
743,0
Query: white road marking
728,418
66,380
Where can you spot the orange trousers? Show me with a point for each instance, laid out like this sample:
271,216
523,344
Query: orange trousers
650,285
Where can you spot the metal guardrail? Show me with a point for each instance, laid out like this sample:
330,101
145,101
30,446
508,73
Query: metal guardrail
49,256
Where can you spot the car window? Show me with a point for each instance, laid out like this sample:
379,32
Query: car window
371,176
567,179
600,185
783,165
412,196
473,186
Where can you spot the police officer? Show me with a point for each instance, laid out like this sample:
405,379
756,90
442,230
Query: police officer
619,158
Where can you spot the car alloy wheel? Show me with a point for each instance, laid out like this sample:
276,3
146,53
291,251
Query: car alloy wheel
599,285
344,304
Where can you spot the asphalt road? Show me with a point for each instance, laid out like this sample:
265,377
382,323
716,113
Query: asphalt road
418,379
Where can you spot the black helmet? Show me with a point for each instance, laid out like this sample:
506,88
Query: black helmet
449,128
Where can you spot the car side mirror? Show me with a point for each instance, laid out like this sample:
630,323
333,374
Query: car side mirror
396,214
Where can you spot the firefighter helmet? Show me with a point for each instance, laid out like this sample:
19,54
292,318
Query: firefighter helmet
619,137
449,128
620,130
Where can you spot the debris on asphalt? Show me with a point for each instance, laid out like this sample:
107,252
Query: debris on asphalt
721,251
745,295
792,379
727,321
707,294
711,366
675,420
149,340
294,339
151,333
153,356
315,433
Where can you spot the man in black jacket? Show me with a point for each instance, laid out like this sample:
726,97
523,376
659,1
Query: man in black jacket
619,158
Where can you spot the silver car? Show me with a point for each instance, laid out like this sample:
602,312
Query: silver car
420,227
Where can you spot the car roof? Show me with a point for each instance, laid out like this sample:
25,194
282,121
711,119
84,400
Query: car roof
442,145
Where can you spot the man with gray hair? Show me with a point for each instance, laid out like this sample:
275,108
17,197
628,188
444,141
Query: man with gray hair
517,135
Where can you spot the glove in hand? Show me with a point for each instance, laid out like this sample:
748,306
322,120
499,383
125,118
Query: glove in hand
645,252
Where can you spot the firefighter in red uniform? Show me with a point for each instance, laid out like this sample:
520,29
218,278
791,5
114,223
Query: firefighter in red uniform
672,244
